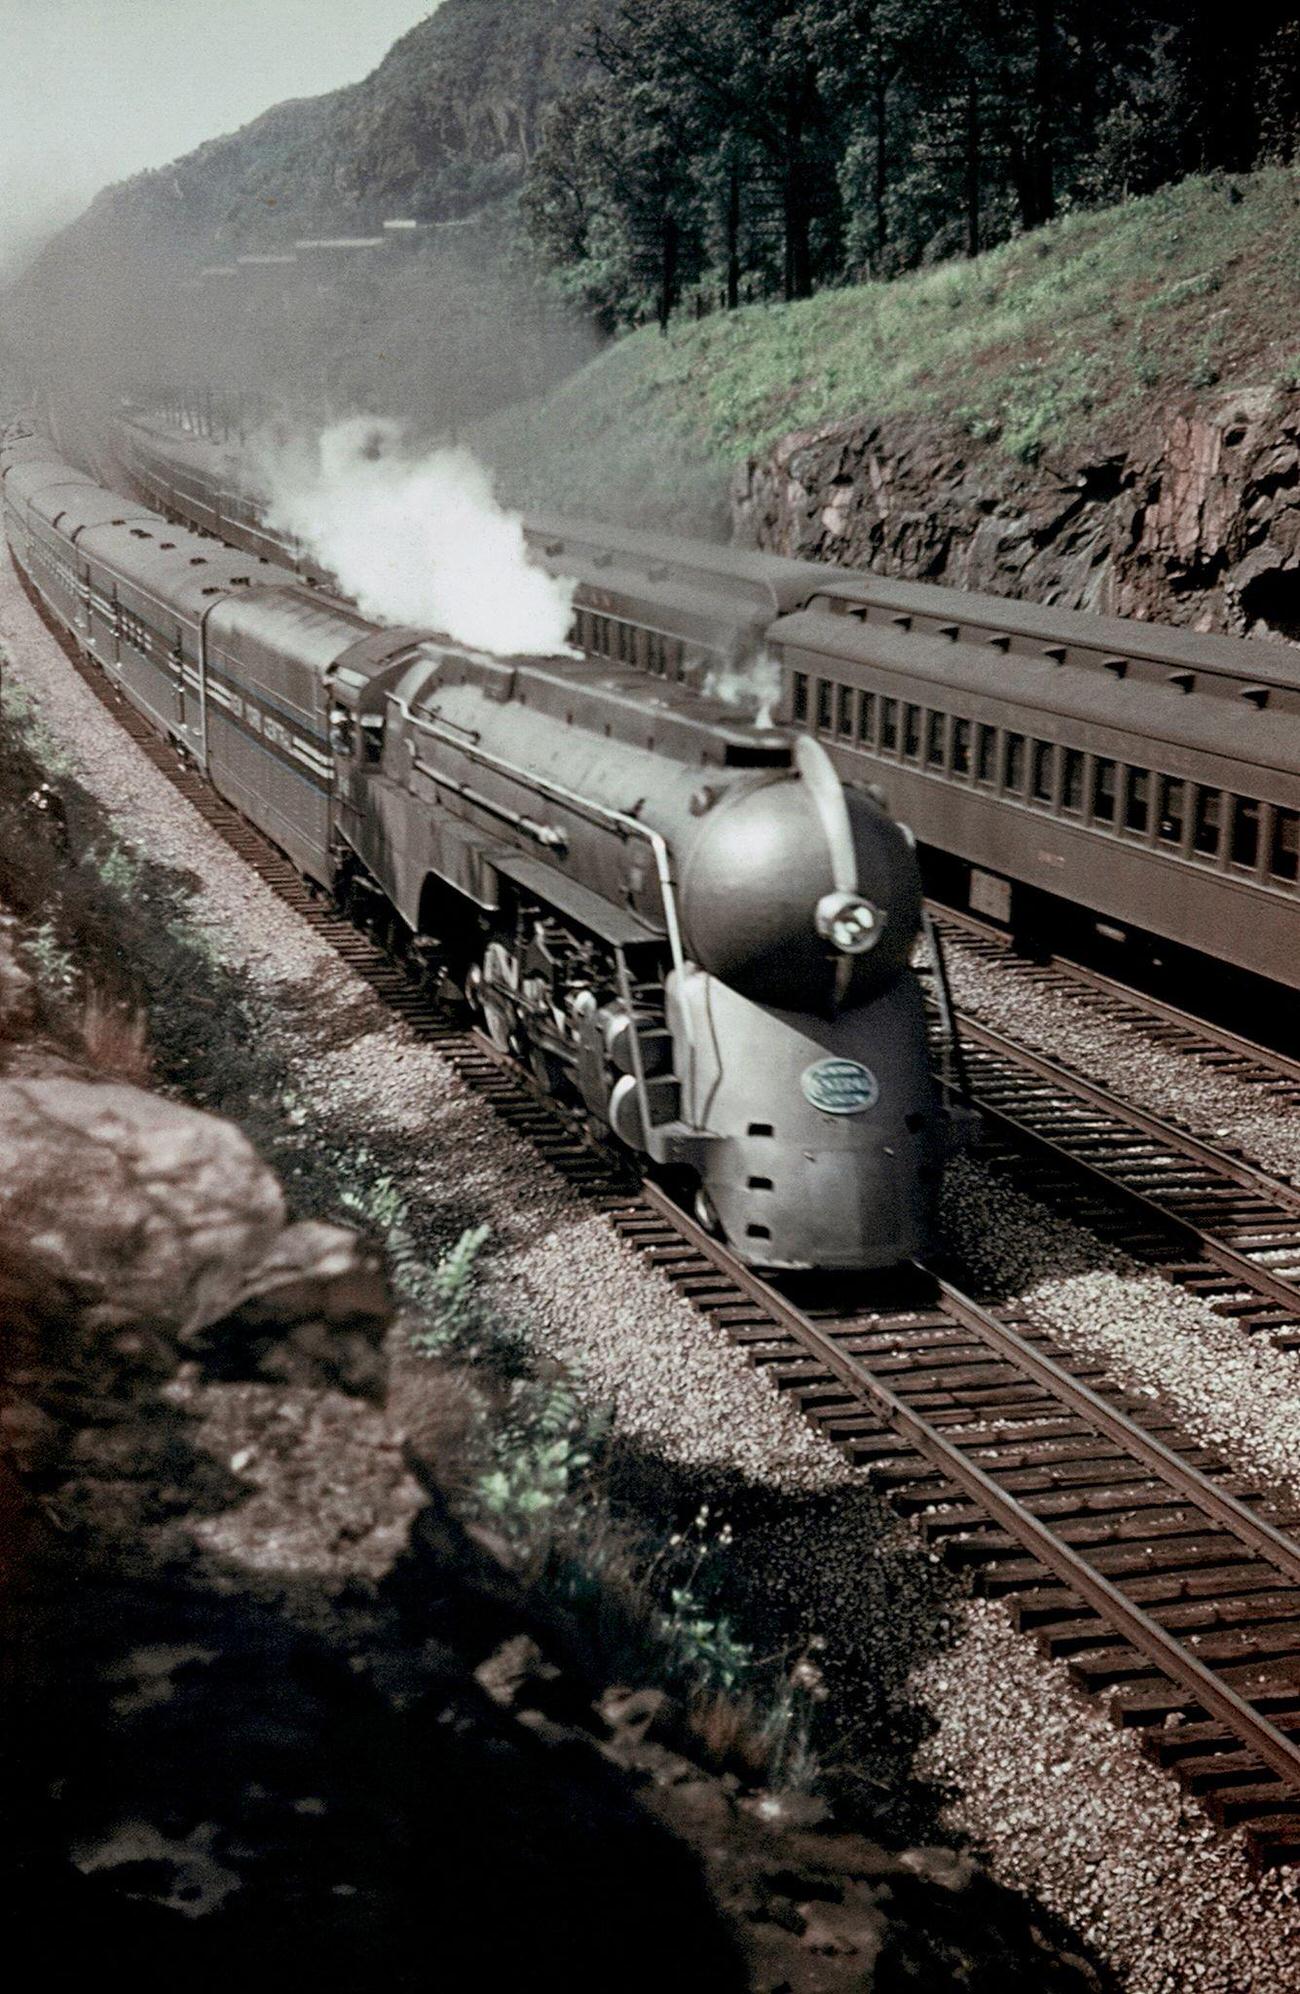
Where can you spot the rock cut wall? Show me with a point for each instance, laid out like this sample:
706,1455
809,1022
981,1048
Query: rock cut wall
1196,523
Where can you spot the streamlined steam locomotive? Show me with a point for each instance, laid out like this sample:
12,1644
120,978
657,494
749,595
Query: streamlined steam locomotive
685,922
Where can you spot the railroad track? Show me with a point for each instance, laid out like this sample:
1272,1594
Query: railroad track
1273,1074
1202,1214
1166,1584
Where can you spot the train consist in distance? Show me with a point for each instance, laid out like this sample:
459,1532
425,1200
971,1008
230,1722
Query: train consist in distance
685,922
1047,761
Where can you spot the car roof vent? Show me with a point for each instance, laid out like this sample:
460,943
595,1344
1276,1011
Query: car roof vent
1117,667
1056,652
1183,680
901,622
999,641
1255,695
198,560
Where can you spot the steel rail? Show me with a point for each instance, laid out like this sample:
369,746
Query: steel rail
1175,1139
1220,1699
1246,1272
1214,1035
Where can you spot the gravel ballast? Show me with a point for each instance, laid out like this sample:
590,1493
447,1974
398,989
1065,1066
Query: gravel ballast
1073,1812
682,1394
1235,1393
1127,1060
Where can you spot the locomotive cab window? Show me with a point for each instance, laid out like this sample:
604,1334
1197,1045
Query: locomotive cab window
343,735
372,738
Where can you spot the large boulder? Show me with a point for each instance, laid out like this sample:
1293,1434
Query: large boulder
118,1207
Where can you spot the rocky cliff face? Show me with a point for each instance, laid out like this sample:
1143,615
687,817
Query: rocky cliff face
1197,522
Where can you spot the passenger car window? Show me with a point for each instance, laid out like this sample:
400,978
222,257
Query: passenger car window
1013,762
823,706
1172,810
1136,799
1103,792
799,700
867,716
1245,832
912,733
889,725
1072,782
844,711
934,727
1208,822
1284,857
1042,771
986,754
961,734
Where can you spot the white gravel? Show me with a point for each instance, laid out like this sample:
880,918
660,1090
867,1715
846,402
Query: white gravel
1075,1813
1235,1393
1128,1060
1169,1913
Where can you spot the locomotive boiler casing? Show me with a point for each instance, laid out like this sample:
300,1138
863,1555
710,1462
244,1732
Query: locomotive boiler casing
825,1147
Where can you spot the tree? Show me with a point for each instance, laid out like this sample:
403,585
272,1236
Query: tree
612,200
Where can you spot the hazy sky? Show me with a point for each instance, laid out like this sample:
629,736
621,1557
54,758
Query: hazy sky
92,91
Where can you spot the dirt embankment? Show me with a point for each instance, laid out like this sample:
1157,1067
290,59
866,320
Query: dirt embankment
1197,522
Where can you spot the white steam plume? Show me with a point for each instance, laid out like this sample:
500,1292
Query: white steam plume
753,686
415,539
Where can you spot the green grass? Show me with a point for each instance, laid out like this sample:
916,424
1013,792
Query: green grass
1055,340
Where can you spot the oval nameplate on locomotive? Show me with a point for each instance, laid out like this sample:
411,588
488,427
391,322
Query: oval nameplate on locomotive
840,1086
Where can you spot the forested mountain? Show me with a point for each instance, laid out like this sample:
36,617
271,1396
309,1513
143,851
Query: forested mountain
447,121
434,328
728,149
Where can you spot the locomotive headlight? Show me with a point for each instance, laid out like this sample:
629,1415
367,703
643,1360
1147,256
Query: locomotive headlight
849,923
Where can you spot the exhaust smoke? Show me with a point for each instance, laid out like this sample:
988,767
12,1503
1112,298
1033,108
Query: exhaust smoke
414,538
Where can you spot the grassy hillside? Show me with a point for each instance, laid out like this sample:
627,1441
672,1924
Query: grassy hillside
1060,338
